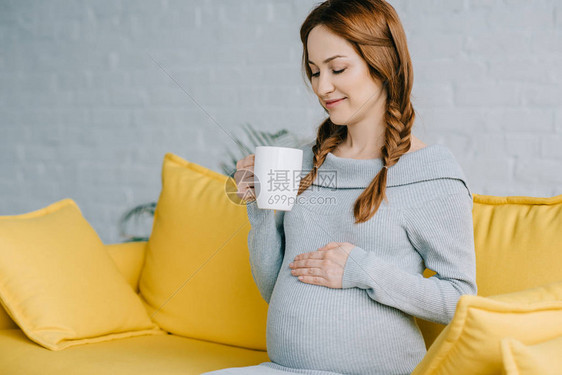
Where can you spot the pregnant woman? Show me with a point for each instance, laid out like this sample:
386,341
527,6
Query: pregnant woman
342,271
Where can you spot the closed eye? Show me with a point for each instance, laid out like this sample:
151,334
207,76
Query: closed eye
334,71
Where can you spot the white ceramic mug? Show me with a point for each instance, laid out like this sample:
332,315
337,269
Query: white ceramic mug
277,172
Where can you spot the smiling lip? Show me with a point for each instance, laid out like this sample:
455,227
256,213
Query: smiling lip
332,103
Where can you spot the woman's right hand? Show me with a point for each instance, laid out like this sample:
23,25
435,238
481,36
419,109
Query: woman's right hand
244,177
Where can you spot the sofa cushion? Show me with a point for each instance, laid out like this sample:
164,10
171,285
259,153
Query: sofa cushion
58,283
517,242
197,277
159,354
471,343
129,259
542,358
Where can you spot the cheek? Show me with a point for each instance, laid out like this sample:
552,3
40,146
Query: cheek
362,89
352,85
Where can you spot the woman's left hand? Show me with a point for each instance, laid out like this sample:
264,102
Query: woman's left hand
323,267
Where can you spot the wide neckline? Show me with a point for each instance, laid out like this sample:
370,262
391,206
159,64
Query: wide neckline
330,154
430,162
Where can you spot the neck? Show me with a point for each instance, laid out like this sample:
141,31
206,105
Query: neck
365,137
363,140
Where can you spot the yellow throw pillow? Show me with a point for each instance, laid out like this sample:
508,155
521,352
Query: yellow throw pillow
59,284
197,277
544,358
471,342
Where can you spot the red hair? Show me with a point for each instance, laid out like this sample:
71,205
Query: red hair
375,32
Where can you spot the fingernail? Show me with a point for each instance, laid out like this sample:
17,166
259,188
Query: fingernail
291,265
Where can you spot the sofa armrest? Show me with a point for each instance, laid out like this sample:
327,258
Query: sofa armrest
129,258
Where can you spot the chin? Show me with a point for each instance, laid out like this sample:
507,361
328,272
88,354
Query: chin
337,120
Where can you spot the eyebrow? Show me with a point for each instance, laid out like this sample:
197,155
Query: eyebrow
328,59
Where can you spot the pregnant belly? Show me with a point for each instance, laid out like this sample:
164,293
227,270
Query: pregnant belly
315,327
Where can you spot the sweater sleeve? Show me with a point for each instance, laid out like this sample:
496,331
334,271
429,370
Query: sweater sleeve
266,244
442,232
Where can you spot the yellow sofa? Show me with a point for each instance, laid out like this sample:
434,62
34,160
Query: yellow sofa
518,243
158,354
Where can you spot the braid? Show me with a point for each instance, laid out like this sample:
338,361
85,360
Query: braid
397,141
328,138
376,33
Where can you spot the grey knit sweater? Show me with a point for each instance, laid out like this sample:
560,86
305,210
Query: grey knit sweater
367,327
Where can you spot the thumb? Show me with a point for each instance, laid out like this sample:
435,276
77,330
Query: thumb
329,246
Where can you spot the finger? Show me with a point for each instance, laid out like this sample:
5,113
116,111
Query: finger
330,245
243,175
316,280
244,183
246,167
307,272
245,171
242,186
310,255
244,189
340,248
239,163
307,263
247,196
344,248
245,163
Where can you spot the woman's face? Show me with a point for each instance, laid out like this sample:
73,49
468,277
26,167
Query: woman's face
346,78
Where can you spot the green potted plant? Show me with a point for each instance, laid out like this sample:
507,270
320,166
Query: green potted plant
282,138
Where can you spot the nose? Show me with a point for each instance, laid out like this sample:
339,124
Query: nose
324,85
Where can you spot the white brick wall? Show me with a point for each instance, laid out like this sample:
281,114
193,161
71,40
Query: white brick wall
86,113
